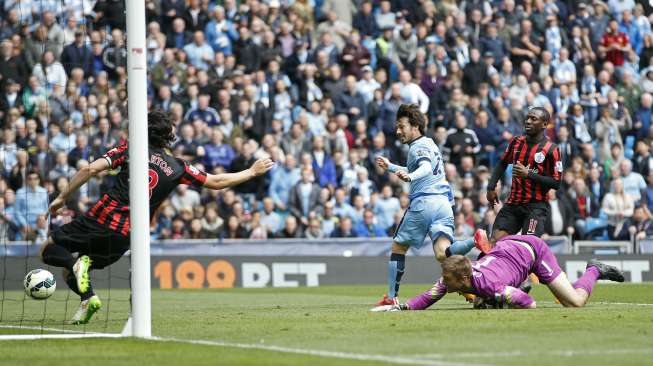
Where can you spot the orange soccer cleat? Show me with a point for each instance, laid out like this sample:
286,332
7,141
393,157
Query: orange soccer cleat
481,241
388,301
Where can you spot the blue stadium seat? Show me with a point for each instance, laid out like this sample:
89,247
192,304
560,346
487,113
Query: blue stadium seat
596,228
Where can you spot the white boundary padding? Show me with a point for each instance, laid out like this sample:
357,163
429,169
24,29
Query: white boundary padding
624,246
138,169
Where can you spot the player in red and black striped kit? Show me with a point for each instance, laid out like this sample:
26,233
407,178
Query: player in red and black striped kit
101,237
536,169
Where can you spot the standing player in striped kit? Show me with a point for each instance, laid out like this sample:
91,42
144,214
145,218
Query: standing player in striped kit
537,168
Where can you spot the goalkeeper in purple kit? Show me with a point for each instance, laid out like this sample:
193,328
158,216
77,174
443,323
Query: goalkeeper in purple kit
496,277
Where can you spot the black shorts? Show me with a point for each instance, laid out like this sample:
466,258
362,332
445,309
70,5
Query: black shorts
529,218
86,237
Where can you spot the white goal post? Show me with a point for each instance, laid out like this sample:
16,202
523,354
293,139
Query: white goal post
138,169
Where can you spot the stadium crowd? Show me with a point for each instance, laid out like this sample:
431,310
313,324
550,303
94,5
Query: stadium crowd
315,84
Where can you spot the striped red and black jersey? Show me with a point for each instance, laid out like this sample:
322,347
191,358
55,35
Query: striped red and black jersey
542,157
165,174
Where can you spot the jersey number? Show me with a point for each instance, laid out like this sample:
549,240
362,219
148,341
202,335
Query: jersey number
153,180
437,170
483,262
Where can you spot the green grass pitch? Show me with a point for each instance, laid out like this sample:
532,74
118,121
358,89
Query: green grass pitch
333,326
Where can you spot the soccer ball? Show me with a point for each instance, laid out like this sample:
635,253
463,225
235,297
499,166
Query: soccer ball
40,284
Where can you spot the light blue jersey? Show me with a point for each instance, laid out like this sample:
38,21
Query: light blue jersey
424,149
430,211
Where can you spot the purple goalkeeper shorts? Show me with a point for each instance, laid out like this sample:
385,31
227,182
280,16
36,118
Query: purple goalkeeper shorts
546,266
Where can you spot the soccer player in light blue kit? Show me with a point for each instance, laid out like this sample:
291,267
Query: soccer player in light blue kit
430,211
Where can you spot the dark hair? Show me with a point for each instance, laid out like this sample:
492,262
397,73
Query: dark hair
414,115
546,116
159,124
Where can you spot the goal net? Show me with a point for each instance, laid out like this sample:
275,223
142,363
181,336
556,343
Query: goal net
64,91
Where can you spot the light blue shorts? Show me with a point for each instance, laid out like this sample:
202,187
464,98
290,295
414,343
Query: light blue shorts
430,215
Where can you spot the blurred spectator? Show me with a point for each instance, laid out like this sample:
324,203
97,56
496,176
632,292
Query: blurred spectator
282,181
77,54
344,229
640,225
291,229
585,206
614,44
270,218
304,196
328,219
368,228
463,229
386,207
633,183
211,223
618,206
31,202
199,52
314,230
461,140
323,166
233,229
560,220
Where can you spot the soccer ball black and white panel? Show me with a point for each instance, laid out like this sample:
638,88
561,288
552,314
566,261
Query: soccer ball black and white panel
40,284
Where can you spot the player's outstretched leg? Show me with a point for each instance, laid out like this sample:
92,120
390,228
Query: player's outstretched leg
461,247
86,310
90,303
80,270
576,295
58,256
396,268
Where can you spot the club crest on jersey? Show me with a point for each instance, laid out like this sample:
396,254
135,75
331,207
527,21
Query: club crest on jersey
193,170
539,157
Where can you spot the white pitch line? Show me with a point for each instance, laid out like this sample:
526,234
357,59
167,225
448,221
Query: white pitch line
623,303
561,353
322,353
30,327
600,303
29,337
68,333
319,353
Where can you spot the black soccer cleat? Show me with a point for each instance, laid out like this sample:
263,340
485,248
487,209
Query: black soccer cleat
606,272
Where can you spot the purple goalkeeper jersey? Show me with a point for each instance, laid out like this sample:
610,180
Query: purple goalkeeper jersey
509,263
497,276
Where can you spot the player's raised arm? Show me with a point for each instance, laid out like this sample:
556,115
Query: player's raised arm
79,179
225,180
385,164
